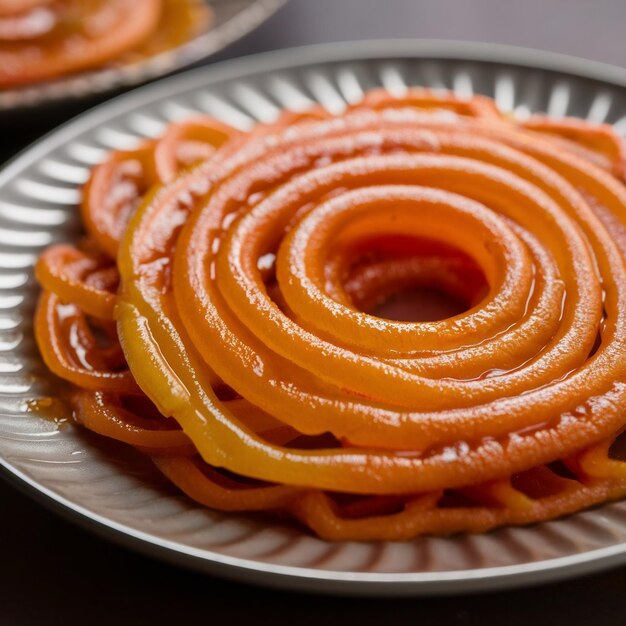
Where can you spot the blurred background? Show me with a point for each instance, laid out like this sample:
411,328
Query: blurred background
55,573
593,29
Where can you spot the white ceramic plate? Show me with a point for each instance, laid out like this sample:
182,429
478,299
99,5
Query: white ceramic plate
109,488
232,19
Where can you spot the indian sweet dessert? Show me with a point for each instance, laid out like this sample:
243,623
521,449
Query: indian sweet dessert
46,39
222,314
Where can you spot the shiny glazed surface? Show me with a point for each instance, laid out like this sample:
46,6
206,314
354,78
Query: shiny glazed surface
45,39
247,272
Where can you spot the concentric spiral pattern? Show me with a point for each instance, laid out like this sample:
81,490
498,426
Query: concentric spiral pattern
249,266
42,40
167,52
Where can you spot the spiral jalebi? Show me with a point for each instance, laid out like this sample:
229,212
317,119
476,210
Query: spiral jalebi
45,39
222,315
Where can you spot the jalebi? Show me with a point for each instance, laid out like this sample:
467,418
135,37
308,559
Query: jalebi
223,314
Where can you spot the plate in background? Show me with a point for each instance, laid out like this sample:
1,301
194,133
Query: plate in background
111,489
232,19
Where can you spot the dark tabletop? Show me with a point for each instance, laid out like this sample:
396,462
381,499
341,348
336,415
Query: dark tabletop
52,572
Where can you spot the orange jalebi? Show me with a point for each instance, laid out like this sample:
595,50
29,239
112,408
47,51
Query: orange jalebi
256,371
45,39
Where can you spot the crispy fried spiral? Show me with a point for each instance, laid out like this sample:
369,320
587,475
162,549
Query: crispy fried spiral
45,39
251,364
